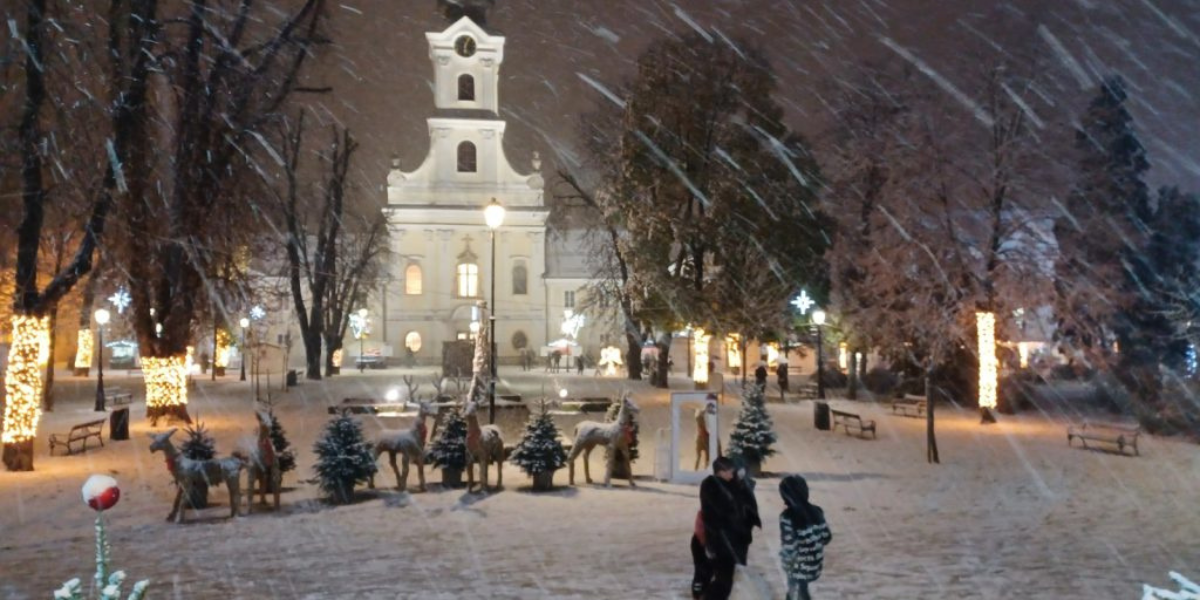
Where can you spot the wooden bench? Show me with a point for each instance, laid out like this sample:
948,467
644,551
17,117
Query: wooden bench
366,406
586,405
78,433
1110,434
910,406
806,391
851,420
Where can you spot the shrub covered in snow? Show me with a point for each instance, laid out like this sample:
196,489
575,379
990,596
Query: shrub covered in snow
450,449
754,433
540,451
344,458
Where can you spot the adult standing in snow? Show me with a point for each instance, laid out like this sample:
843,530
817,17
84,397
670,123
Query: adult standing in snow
760,374
728,514
803,536
781,371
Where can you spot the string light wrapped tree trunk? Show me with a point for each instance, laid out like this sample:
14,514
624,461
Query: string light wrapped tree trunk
985,328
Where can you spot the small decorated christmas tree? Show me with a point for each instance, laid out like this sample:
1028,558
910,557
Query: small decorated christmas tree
344,459
754,434
449,452
199,445
284,452
100,493
540,453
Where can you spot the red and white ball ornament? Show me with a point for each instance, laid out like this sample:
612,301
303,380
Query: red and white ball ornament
100,492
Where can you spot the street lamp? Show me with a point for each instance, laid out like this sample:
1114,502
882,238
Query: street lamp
362,336
493,214
818,319
101,319
244,323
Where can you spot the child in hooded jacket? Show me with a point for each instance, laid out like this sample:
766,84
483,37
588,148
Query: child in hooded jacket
804,535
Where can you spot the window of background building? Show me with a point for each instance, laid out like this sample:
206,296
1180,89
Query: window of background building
466,157
412,280
466,88
569,299
520,277
468,280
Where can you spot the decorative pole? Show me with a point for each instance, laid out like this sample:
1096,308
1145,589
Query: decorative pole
101,320
493,214
818,318
244,323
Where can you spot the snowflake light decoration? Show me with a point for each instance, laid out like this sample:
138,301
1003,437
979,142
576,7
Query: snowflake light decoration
803,302
121,300
257,313
359,325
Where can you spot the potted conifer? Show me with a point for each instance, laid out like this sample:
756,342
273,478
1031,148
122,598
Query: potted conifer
449,452
540,453
199,445
753,436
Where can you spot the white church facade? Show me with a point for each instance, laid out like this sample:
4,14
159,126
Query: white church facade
441,247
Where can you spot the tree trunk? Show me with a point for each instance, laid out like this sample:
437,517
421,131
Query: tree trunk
332,346
23,381
852,379
661,379
931,449
166,388
633,356
48,388
312,356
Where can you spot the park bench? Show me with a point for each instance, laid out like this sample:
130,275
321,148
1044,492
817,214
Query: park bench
850,420
806,391
1110,434
910,406
78,433
366,406
586,405
114,397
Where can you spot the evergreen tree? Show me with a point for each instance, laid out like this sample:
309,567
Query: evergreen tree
344,458
199,445
611,416
540,450
284,453
450,449
754,434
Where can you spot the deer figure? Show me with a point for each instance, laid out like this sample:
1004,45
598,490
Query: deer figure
188,472
411,386
484,447
616,436
703,416
409,444
262,464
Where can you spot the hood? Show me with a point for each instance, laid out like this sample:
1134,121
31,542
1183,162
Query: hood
794,490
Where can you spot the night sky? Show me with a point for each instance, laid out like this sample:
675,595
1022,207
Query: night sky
381,73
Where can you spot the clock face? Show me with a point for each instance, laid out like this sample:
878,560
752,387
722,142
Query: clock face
464,46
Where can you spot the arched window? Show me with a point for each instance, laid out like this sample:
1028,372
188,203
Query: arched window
520,278
466,88
412,341
412,280
466,157
468,280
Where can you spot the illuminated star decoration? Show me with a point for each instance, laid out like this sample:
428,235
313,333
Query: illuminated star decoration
359,326
121,300
803,302
257,313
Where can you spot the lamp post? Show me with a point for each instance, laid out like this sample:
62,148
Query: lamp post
101,320
818,319
362,337
244,323
493,214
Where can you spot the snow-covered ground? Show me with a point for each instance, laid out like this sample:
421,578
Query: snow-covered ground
1011,512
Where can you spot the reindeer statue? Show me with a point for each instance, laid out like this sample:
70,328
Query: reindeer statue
615,436
409,443
484,447
187,472
262,465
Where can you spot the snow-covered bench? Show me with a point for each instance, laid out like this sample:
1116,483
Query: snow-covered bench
850,420
1120,435
910,405
78,433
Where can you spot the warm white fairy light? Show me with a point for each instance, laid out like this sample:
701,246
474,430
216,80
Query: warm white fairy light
166,381
610,359
700,364
23,380
1023,353
221,356
985,325
337,358
189,362
843,356
733,351
83,348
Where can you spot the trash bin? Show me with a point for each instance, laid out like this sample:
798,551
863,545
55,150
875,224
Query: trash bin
118,424
291,378
821,415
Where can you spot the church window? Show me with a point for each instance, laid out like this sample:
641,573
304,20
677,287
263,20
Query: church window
412,280
520,279
466,88
466,157
468,280
569,299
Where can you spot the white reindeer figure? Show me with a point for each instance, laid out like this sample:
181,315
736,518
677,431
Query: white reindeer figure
616,436
409,443
187,472
484,446
262,464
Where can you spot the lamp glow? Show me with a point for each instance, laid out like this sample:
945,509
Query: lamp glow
244,322
700,348
102,317
493,214
83,349
610,359
818,317
985,324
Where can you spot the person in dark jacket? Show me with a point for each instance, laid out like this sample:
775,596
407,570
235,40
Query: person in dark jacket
803,536
760,375
728,514
781,371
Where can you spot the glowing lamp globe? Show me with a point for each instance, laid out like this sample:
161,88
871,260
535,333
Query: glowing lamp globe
100,492
102,317
244,322
392,395
493,213
562,394
818,317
